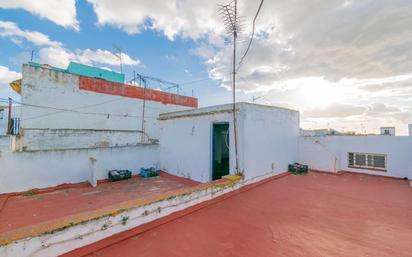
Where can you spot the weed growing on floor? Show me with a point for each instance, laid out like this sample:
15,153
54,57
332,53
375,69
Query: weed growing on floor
124,220
29,192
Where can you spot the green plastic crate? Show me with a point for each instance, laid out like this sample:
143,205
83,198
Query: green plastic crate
297,168
150,172
116,175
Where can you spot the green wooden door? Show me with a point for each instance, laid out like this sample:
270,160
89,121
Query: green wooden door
220,150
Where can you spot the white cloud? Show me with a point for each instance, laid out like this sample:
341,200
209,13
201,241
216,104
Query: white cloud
54,53
335,110
61,12
204,51
60,56
7,76
105,57
186,18
11,30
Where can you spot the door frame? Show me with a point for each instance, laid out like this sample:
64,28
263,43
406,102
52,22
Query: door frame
212,146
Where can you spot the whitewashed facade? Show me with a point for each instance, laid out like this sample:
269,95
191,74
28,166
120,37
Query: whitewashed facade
267,140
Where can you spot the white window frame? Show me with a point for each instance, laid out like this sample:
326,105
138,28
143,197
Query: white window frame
369,161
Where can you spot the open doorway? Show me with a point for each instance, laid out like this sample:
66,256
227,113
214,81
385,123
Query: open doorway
220,150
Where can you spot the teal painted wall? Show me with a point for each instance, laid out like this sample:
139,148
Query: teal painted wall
93,72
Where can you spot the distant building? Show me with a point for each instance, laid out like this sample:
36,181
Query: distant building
388,131
65,110
325,132
410,129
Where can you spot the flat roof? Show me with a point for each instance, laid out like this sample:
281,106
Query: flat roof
216,109
312,215
47,209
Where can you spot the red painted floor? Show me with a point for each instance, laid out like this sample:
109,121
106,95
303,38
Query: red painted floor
311,215
21,211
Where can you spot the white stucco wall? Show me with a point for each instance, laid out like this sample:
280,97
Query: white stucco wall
39,139
185,145
319,152
26,170
266,136
270,139
59,90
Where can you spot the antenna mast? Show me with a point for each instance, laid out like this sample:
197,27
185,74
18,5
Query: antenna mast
119,55
231,22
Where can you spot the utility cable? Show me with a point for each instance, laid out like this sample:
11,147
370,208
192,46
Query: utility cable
253,34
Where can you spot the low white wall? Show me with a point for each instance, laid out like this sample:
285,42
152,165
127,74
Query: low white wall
57,139
319,152
26,170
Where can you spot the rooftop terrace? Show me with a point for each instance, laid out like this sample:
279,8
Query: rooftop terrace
313,215
35,212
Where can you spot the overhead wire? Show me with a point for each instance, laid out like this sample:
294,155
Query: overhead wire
252,36
80,112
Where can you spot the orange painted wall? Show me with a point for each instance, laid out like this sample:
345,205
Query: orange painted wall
112,88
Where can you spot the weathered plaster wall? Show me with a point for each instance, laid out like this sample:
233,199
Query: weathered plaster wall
20,171
319,153
38,139
267,140
89,109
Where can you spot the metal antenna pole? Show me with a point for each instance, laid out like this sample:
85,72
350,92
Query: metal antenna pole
119,50
143,111
234,88
231,21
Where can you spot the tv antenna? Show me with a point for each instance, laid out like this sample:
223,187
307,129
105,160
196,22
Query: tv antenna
232,26
119,55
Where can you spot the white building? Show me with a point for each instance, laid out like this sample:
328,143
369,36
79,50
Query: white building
73,125
62,110
387,131
410,129
200,144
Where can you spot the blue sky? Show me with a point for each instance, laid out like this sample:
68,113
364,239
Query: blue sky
159,56
343,64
